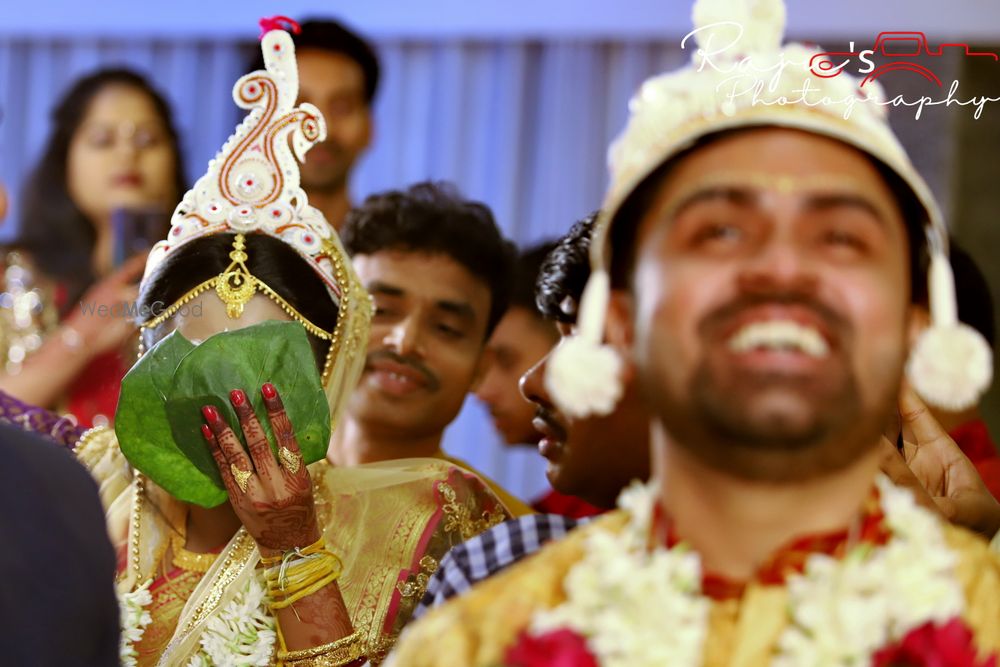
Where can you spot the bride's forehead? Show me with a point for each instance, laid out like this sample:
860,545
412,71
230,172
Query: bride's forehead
205,316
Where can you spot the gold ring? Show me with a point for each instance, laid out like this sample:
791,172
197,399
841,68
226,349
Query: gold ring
289,459
242,477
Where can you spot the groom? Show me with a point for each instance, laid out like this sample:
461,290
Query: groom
769,257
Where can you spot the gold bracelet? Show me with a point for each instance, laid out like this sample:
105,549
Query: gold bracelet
341,652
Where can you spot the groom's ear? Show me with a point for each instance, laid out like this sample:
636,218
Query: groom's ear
619,332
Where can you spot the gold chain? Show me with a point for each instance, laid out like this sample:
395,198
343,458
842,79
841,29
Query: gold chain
136,517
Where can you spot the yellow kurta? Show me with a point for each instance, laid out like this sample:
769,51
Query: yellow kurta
476,629
390,523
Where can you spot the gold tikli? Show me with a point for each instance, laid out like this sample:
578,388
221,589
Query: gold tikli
236,285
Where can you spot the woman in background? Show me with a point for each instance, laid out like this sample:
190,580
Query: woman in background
113,146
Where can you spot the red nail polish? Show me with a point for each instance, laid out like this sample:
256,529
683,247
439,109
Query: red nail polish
211,414
268,390
237,397
206,431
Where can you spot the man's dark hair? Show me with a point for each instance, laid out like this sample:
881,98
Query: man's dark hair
527,268
434,219
625,225
335,37
565,272
975,303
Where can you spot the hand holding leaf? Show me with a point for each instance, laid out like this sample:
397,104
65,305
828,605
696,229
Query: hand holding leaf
159,415
271,495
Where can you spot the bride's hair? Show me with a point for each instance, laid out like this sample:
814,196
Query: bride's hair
270,260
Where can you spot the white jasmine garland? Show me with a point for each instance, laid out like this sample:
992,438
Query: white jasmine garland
638,607
133,617
242,634
845,610
622,596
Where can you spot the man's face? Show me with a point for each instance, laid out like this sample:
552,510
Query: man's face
770,289
336,85
520,339
427,342
592,458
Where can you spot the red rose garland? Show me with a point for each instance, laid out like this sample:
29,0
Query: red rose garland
559,648
930,645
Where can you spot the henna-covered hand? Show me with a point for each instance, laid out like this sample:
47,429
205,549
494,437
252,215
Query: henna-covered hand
273,499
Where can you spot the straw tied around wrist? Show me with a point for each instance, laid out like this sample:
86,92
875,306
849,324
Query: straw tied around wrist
950,366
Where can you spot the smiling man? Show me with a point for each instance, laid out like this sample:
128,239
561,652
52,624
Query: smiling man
589,459
436,266
765,259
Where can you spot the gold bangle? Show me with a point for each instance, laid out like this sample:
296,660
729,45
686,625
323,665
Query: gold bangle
341,652
292,598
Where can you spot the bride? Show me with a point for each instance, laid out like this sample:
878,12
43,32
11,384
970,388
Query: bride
305,565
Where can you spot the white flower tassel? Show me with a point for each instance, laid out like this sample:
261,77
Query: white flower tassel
583,376
132,607
952,364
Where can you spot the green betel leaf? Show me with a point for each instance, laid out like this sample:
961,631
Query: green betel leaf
275,352
141,421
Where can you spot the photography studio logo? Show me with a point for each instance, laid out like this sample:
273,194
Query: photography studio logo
895,53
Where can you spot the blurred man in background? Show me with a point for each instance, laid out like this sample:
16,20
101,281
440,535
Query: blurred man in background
590,459
521,338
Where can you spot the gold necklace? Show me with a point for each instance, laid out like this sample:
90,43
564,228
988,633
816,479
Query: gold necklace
189,560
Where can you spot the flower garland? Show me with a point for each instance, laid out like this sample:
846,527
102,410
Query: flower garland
622,596
134,618
240,635
844,610
623,599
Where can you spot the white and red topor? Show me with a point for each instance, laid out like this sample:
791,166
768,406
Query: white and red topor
252,184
